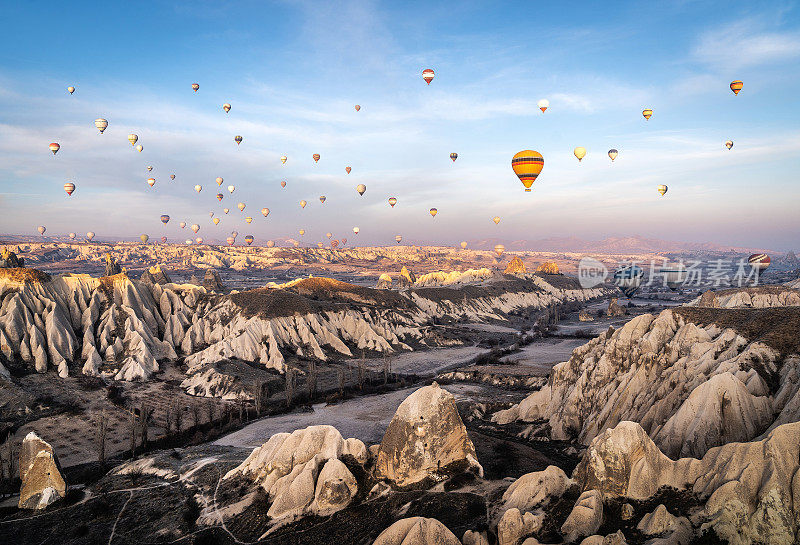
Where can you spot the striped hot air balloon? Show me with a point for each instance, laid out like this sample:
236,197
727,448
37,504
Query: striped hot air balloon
662,189
315,157
392,201
398,238
226,107
265,212
220,196
759,262
195,87
249,239
164,219
151,182
454,156
433,212
736,86
628,279
647,112
527,165
163,240
101,124
54,147
427,75
69,187
322,199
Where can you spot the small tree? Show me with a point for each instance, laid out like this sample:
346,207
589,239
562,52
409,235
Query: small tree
361,374
145,417
168,419
133,434
102,429
311,380
289,385
341,376
196,414
211,410
178,417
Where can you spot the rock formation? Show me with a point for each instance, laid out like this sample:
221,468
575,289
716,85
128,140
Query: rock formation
156,275
384,282
406,278
757,297
212,281
586,516
417,531
9,260
585,315
426,440
40,472
515,266
614,309
536,490
112,267
549,267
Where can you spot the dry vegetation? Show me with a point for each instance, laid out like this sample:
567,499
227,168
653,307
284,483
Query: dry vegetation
23,275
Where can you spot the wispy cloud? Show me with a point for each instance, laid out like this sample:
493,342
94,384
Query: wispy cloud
746,43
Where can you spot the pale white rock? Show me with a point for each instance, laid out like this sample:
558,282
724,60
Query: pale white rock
536,490
586,516
417,531
515,525
473,537
657,522
336,487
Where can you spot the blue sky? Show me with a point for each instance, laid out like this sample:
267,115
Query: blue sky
294,70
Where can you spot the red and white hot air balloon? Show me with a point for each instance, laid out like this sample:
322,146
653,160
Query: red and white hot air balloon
427,75
54,147
69,187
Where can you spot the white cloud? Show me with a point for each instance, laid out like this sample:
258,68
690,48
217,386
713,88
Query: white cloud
745,43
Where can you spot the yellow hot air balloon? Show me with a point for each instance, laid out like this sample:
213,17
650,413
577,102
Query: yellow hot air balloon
612,154
270,244
322,199
315,157
303,204
736,86
464,245
580,152
428,75
101,124
248,219
392,201
729,144
198,188
527,165
662,189
302,232
139,148
249,239
647,112
144,238
433,212
216,221
356,230
132,138
398,238
496,220
231,188
283,159
195,228
361,188
329,235
543,104
499,249
226,107
265,212
226,210
195,87
71,89
240,206
149,168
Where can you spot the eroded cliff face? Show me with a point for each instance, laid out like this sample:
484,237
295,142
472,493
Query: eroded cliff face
692,378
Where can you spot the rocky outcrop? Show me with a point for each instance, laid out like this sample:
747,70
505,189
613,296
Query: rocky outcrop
515,266
212,281
536,490
384,282
614,309
40,473
515,525
156,275
425,441
585,315
549,267
112,267
9,260
755,297
406,278
417,531
586,516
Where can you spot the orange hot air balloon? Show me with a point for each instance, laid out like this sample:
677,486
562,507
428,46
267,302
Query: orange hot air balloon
302,232
319,245
736,86
347,169
398,238
248,219
647,112
226,107
219,197
216,221
283,183
464,245
315,157
171,176
219,180
69,187
358,108
151,182
265,212
283,159
303,204
427,75
54,147
329,235
392,201
496,220
195,87
241,206
433,212
729,144
527,165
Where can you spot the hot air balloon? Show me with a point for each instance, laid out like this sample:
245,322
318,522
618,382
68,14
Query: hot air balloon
151,182
249,239
226,210
216,221
283,183
427,75
101,124
496,220
283,159
211,214
454,156
433,212
199,240
674,277
163,240
361,188
72,236
71,89
319,245
302,232
219,180
195,87
543,104
195,228
231,240
392,201
628,279
303,204
499,249
241,206
164,219
182,225
579,152
322,199
144,238
464,245
729,144
231,188
139,148
238,139
248,219
344,241
54,147
662,189
198,188
527,165
265,212
41,229
329,235
171,176
132,138
189,241
90,235
220,196
398,238
315,157
647,112
69,187
736,86
270,244
612,154
759,262
358,108
334,244
347,169
356,230
149,168
226,107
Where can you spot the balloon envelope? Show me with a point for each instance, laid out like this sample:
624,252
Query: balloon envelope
356,230
322,199
132,138
41,229
580,152
303,204
527,165
759,262
628,279
662,189
90,235
392,201
69,187
736,86
151,182
647,112
101,124
398,238
144,238
316,157
433,212
464,245
238,139
164,219
347,169
729,144
249,239
226,107
361,188
454,156
54,147
241,206
543,104
283,159
358,108
219,180
428,75
499,249
612,154
139,148
198,188
265,212
496,220
71,89
195,87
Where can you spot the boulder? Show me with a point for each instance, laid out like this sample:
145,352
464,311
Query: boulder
549,267
656,523
9,260
40,473
515,525
585,315
515,266
426,439
417,531
586,517
537,489
473,537
336,487
384,282
626,513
